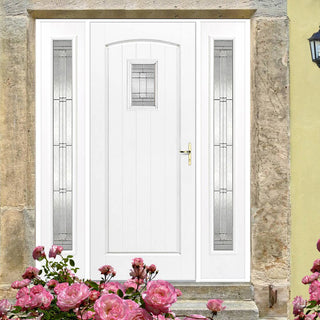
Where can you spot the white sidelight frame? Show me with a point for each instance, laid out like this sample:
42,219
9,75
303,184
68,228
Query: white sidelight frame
206,32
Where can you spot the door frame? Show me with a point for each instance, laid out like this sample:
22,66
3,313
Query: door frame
43,176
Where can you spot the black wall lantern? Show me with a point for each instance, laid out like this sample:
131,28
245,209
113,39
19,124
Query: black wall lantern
315,47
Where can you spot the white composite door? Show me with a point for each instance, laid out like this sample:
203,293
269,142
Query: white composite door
142,91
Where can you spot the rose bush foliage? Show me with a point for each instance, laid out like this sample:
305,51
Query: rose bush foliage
55,292
308,309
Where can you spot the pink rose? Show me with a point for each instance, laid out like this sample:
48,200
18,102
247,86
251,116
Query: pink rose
106,269
311,278
54,251
159,296
20,284
131,283
110,307
40,297
60,287
178,292
195,316
316,266
310,316
138,262
5,307
152,268
86,315
52,283
138,272
113,287
30,273
215,305
298,305
314,290
72,296
131,304
94,295
138,314
23,298
38,253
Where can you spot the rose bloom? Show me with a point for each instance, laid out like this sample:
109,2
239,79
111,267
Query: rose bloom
60,287
298,305
110,307
131,283
40,297
113,287
138,314
106,269
138,272
94,295
310,316
30,273
311,278
72,296
159,296
86,315
52,283
131,304
215,305
152,268
316,266
38,253
23,298
5,307
178,292
54,251
138,262
314,290
20,284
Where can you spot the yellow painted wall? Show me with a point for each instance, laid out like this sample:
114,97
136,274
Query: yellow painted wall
304,16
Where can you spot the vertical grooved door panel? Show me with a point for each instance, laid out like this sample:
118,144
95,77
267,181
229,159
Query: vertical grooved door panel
140,204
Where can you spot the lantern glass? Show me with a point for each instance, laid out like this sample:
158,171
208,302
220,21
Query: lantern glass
315,50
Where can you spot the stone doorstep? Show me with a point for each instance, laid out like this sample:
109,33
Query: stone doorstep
235,309
209,290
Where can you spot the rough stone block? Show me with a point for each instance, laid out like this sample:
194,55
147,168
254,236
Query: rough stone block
17,242
13,112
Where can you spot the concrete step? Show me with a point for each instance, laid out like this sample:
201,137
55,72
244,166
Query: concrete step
235,309
224,291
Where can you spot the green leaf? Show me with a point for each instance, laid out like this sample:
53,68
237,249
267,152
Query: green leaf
40,272
92,284
72,263
312,304
120,293
129,290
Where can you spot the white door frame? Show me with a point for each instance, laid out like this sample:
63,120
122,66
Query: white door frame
79,31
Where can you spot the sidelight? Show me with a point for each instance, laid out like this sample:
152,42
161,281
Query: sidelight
223,145
62,143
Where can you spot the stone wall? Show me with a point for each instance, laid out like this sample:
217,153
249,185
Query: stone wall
269,117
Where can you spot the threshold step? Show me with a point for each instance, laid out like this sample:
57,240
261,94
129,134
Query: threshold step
235,309
224,291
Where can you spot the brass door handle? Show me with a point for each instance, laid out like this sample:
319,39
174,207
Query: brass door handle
187,152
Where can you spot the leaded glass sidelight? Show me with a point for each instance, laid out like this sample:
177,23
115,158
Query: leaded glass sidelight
62,143
222,145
